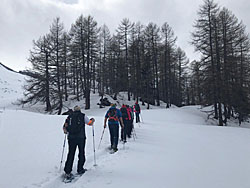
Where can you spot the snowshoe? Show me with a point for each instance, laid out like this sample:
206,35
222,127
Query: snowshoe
113,150
68,178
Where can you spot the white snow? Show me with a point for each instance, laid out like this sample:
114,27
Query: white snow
10,87
174,148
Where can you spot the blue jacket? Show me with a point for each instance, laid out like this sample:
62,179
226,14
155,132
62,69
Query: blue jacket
118,114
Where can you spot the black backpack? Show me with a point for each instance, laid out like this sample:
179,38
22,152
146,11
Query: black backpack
113,114
75,123
137,107
124,112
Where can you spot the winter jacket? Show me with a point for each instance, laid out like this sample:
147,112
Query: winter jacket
84,120
118,114
137,111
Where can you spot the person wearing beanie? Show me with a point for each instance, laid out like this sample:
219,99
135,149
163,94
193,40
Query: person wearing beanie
74,126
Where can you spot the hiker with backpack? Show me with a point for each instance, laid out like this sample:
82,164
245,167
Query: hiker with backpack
126,118
131,121
137,111
113,116
74,126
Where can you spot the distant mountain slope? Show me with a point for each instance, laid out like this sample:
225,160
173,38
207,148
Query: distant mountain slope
11,84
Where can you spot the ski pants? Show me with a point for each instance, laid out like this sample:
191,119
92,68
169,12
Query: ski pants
137,114
114,134
73,144
125,130
130,128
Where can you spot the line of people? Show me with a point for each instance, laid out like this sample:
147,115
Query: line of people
123,116
74,127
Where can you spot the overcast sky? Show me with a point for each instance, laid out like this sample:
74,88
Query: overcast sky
22,21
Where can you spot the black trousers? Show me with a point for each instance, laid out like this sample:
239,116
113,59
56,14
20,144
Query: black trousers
137,114
130,128
73,144
114,135
124,131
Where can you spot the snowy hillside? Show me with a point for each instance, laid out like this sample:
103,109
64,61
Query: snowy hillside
10,87
173,149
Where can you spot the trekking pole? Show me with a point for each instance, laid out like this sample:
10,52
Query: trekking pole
141,118
101,138
94,144
62,152
134,133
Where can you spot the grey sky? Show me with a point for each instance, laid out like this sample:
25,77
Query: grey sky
21,21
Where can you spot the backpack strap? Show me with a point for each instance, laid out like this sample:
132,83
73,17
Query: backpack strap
129,115
115,117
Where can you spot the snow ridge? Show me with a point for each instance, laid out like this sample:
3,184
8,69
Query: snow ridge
11,89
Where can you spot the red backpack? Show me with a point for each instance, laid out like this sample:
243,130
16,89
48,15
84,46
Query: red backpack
113,114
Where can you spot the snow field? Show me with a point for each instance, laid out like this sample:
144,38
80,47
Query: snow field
10,87
174,148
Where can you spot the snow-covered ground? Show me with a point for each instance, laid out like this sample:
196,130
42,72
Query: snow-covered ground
10,87
173,148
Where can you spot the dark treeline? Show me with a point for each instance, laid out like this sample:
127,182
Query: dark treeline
221,77
143,61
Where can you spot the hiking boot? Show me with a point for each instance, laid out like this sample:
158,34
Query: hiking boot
115,149
80,172
68,176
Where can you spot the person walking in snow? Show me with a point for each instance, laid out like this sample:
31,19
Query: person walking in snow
74,126
113,116
126,118
137,111
131,120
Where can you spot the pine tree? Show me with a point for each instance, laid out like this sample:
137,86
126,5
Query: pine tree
169,41
204,41
91,32
124,30
38,88
56,32
152,39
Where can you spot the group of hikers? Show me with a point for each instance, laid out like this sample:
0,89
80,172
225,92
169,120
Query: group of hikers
74,127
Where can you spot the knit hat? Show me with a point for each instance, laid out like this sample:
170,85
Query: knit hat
77,108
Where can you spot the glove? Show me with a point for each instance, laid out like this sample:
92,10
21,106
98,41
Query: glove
65,130
91,122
